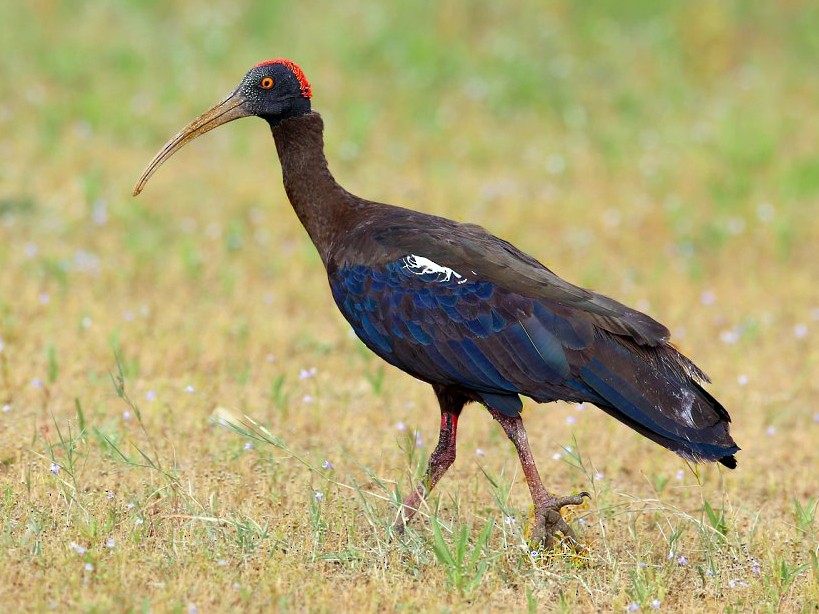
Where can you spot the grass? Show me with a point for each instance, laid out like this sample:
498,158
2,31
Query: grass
187,423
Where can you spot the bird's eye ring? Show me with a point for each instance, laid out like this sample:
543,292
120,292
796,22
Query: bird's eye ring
266,83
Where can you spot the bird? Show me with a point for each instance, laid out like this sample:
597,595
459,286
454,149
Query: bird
469,313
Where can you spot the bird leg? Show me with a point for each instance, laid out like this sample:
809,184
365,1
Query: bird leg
440,460
548,520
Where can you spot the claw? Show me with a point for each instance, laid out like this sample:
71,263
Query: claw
549,522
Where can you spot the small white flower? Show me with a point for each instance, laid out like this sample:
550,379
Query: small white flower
126,415
765,212
138,521
248,445
189,388
570,419
319,496
222,563
742,380
509,521
400,426
110,543
307,398
89,567
770,431
800,331
708,297
680,474
479,452
270,358
307,373
44,298
598,476
150,395
6,408
557,456
37,382
77,548
729,336
633,607
655,604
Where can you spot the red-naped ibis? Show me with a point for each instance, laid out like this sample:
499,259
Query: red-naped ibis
469,313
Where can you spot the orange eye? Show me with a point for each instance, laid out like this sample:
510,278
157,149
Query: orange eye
267,83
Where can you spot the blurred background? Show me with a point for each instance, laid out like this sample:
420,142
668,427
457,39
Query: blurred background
663,153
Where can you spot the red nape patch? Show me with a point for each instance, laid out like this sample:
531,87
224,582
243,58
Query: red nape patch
306,90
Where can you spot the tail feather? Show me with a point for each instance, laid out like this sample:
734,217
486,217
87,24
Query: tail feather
661,399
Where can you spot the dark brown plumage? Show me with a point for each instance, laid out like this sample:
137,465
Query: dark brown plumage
471,314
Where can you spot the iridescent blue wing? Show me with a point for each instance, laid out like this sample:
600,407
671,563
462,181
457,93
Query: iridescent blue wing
450,327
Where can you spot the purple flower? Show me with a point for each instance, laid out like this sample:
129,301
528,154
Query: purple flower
307,373
319,496
55,468
327,465
77,548
681,560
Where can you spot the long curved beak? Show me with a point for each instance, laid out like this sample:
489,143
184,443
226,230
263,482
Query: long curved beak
232,107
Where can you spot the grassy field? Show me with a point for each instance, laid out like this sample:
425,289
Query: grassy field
663,153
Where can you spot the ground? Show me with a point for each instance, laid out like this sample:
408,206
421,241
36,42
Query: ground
188,424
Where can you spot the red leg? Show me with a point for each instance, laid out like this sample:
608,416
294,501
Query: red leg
441,458
548,520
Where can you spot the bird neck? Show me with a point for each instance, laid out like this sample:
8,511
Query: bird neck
324,208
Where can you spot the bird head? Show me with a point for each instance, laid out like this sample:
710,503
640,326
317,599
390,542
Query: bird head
274,90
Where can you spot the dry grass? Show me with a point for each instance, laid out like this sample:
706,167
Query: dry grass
660,153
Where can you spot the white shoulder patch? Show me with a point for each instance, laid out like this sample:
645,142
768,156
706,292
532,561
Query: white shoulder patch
424,266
